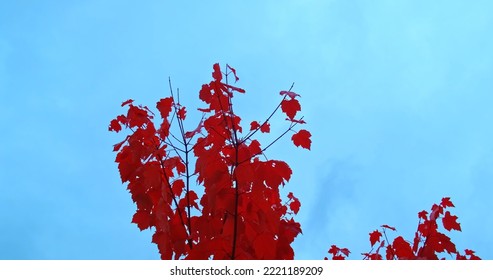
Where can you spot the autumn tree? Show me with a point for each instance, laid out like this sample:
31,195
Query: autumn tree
213,193
240,214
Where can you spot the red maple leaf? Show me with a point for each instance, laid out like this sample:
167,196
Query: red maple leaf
178,187
254,125
423,215
302,138
469,252
402,249
129,101
450,222
115,126
142,218
345,251
216,74
446,202
291,94
295,206
137,116
338,253
440,243
375,237
265,128
295,203
164,107
290,107
115,123
389,227
427,227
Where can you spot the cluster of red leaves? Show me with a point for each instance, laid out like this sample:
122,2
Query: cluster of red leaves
240,213
428,242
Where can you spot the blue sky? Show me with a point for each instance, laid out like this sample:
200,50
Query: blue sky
397,95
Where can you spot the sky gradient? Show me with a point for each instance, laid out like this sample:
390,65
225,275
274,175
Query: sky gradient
397,96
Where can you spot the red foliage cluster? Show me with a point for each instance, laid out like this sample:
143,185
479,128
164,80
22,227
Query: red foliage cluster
428,242
234,210
240,213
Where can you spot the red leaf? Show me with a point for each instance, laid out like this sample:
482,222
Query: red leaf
254,125
423,215
402,248
265,128
389,227
295,204
175,162
375,237
162,240
254,147
389,252
302,138
296,121
182,113
127,163
127,102
204,110
345,251
333,250
427,227
336,252
142,219
115,126
163,130
446,202
440,242
234,72
216,74
436,210
205,94
469,252
290,107
276,173
177,187
137,116
450,222
226,86
164,106
191,197
291,94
